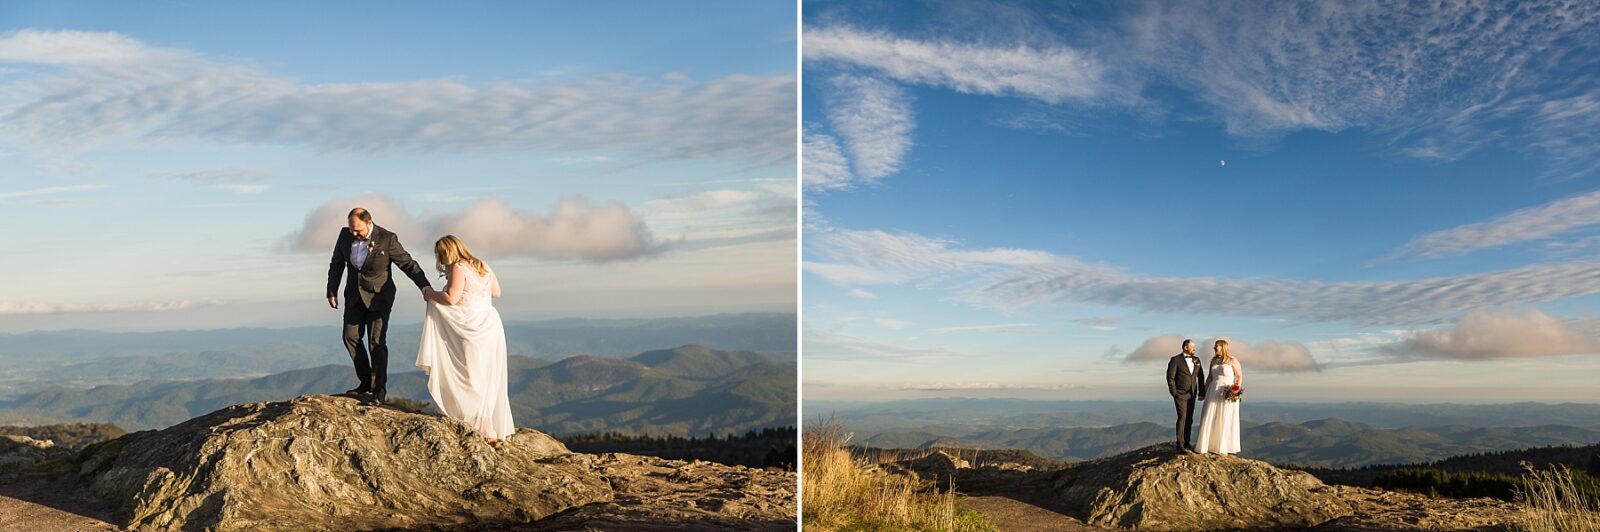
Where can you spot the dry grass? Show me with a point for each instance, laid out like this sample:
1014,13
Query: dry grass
1554,502
838,492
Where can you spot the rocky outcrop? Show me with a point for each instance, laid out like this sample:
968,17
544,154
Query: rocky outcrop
1159,488
324,462
658,494
21,452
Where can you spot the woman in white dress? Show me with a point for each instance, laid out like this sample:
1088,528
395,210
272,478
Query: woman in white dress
1219,422
463,346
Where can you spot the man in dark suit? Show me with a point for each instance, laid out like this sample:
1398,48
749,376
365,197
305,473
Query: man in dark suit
1185,381
364,252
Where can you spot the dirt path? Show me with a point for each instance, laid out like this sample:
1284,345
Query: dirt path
51,502
1012,515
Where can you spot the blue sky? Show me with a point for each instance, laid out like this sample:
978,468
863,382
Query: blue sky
183,165
1036,200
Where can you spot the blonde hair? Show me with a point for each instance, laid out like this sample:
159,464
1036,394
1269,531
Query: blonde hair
1222,351
449,251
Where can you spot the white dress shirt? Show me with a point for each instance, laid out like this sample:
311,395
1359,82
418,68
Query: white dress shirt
1190,361
358,250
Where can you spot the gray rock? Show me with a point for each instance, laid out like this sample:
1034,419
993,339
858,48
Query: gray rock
1159,488
323,462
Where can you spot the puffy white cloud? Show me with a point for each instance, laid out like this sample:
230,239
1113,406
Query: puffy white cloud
1268,356
1487,335
574,229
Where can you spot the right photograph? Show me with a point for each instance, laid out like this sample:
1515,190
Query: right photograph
1200,266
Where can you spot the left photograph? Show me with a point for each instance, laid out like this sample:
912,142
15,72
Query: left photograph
297,266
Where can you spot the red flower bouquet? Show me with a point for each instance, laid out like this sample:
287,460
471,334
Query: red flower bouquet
1236,393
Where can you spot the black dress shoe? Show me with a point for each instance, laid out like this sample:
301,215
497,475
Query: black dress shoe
359,390
379,394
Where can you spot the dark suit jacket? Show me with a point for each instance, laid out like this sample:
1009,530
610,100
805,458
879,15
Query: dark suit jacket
371,282
1180,381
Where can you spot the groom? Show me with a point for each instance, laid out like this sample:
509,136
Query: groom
1184,378
364,251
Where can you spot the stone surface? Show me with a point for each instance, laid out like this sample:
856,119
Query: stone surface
659,494
326,462
1160,488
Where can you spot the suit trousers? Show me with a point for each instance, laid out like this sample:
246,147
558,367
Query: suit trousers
372,359
1185,404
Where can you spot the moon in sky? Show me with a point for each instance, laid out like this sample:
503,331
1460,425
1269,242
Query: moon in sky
1224,163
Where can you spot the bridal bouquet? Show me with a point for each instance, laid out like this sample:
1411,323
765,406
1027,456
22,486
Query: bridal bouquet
1236,393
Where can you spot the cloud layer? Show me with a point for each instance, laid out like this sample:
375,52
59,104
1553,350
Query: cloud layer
574,229
1488,335
1268,356
1011,278
1052,75
83,87
1532,223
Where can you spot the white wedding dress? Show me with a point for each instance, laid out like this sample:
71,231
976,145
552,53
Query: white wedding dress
1219,421
463,351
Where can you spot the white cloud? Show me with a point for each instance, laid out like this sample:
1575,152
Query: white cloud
241,179
873,118
76,47
574,229
862,294
1485,335
701,201
983,386
93,96
1268,356
1050,74
1531,223
1002,327
822,345
20,309
46,191
891,325
1098,323
1012,278
824,166
438,197
1442,79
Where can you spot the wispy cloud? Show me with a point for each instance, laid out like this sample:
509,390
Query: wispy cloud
17,309
1486,335
823,345
1531,223
1050,74
574,229
1441,79
874,119
824,166
46,191
241,179
982,386
1012,278
87,94
1001,327
891,325
862,294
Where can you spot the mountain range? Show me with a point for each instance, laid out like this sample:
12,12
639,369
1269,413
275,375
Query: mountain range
1319,443
84,358
690,390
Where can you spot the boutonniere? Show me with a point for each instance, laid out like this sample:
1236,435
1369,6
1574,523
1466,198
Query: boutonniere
369,244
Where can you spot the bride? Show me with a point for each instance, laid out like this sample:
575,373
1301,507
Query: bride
1219,422
463,346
